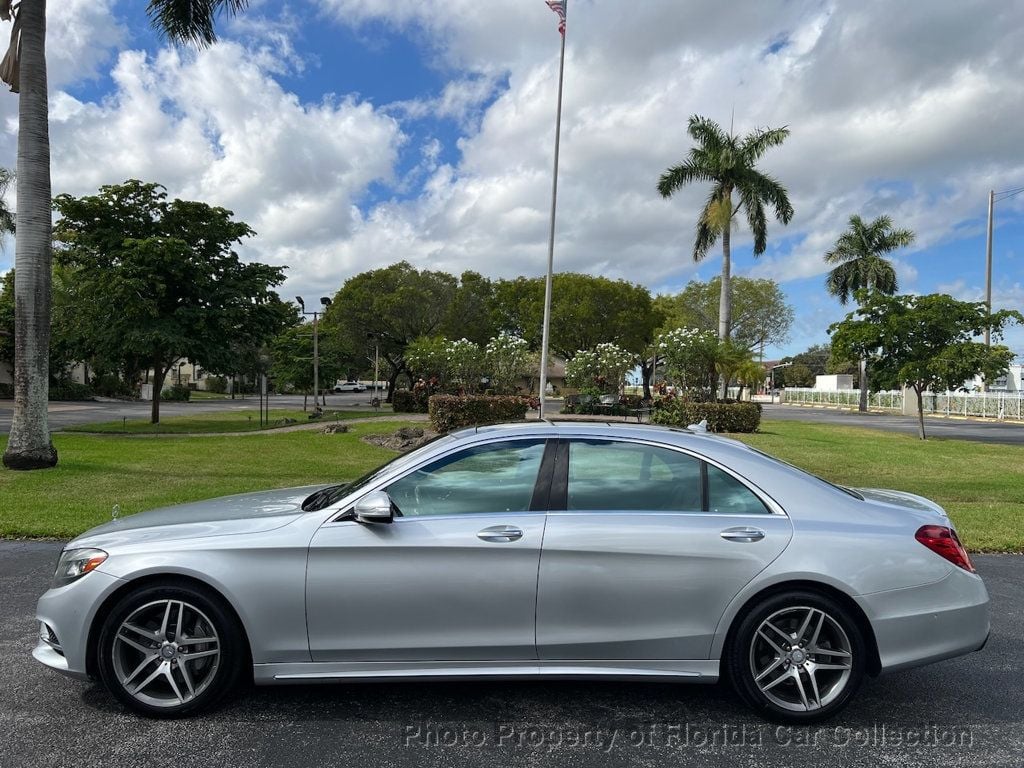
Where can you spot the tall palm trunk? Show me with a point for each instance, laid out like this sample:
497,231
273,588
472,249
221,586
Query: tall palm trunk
862,406
29,446
725,301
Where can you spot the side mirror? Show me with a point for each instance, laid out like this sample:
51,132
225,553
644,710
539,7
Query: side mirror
374,508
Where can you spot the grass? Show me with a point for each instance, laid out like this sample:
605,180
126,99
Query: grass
205,423
980,485
97,471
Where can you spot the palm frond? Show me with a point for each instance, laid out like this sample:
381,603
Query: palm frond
708,229
191,21
707,133
756,219
760,141
679,176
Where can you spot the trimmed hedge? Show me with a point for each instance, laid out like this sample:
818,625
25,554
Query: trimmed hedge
177,393
448,412
406,401
70,390
722,417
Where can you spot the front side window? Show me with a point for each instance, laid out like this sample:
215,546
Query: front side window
605,475
499,477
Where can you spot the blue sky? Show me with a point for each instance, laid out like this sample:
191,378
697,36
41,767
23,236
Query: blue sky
354,133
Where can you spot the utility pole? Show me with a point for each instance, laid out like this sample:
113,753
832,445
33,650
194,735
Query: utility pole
326,302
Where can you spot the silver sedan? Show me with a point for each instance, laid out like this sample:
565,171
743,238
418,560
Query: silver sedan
562,550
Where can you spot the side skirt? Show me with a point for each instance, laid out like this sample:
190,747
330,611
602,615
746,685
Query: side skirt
699,671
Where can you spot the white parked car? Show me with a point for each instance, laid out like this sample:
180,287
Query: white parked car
350,386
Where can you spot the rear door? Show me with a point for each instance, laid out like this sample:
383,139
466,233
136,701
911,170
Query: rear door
645,546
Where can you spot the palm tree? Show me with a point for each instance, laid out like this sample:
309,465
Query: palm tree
728,163
860,265
24,69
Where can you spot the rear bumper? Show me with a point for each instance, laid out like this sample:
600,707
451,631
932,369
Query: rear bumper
921,625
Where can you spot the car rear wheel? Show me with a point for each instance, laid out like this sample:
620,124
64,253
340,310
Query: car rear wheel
797,657
169,650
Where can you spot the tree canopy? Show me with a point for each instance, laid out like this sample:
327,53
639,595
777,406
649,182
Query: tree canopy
157,280
924,342
761,316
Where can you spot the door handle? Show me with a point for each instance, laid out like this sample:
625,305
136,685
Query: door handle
742,533
500,533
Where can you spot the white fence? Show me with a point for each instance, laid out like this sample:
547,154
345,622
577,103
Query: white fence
995,405
887,400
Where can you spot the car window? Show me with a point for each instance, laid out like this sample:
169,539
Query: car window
728,496
610,475
499,477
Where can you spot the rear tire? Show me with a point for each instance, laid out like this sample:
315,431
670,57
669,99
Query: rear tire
796,657
170,650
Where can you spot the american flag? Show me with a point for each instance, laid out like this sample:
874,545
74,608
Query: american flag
558,6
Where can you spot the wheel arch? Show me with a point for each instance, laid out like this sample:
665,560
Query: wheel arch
874,664
159,579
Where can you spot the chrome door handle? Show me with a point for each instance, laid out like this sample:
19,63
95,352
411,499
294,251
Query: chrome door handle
742,533
500,533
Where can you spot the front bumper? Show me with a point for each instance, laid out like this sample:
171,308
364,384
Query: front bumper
69,612
932,622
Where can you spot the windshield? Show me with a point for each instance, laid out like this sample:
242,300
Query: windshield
843,488
325,497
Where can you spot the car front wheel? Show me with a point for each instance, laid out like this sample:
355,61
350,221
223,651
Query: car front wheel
797,657
169,650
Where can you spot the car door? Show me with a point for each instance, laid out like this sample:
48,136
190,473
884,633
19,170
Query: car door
645,546
453,578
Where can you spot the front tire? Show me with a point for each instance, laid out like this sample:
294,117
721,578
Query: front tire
797,657
170,650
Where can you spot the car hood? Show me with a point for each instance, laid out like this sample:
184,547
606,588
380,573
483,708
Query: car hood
244,513
902,499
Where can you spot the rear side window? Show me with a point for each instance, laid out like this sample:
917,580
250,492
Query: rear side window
606,475
619,476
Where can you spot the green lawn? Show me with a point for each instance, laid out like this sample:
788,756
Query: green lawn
982,486
97,471
222,421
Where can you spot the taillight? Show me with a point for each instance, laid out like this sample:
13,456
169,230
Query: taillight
943,541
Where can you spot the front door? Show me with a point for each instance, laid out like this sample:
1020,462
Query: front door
453,578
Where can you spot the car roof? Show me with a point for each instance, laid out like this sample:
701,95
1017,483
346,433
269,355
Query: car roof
613,429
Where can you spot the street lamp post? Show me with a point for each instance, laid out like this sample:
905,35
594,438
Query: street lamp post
780,365
993,198
326,302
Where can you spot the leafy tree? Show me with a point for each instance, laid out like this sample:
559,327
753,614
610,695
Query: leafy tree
24,69
471,312
860,264
728,163
291,355
761,316
924,342
391,307
157,281
798,375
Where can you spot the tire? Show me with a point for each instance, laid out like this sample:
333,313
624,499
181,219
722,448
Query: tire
170,650
805,679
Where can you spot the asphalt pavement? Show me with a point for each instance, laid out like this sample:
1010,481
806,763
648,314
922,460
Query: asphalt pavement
66,414
981,430
963,712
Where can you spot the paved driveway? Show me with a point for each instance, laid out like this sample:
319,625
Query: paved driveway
965,712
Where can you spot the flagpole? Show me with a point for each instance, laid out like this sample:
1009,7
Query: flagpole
551,239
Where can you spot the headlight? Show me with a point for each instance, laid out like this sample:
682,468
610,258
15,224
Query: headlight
75,563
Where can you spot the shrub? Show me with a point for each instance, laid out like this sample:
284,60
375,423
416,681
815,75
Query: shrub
179,393
70,390
404,401
112,385
448,412
218,385
722,417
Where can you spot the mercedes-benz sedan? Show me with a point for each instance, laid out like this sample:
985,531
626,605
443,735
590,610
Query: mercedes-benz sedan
561,550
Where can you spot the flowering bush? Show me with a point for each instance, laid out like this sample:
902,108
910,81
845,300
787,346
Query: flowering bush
603,368
453,365
508,357
690,357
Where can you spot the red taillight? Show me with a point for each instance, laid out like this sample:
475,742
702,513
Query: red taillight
943,541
